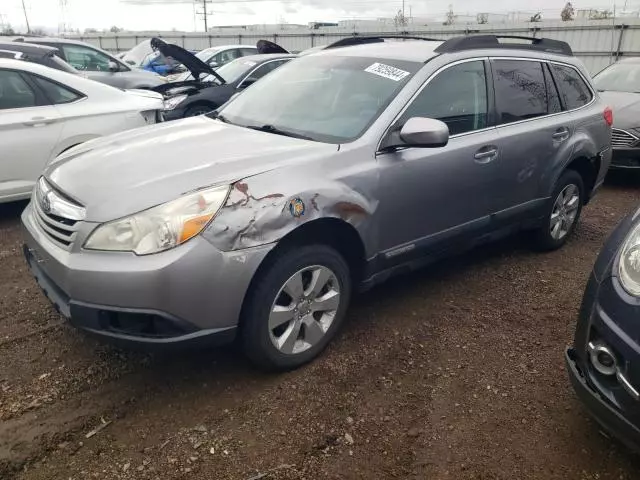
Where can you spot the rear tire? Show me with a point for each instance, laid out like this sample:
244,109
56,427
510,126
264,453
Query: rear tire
562,212
295,307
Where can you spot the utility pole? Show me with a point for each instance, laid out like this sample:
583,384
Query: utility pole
403,10
26,18
204,14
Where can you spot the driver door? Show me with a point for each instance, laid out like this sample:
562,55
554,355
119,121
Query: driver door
432,196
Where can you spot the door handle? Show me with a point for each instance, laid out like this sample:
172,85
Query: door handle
38,122
486,154
561,134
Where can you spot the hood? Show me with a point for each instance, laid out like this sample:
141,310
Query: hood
625,106
129,172
188,59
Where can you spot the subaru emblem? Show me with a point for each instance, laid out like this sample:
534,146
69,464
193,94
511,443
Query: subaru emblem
45,204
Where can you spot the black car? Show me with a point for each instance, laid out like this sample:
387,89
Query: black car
204,89
604,363
47,56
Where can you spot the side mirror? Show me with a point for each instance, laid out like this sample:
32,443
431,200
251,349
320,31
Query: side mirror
419,132
113,66
213,64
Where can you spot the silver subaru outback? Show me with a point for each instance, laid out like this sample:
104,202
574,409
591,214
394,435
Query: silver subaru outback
340,169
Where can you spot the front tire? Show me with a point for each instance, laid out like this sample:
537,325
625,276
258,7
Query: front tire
295,307
198,110
562,213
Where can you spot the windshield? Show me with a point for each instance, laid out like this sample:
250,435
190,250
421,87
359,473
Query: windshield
330,99
620,77
205,55
232,71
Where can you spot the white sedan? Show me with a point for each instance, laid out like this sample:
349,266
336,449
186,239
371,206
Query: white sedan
44,112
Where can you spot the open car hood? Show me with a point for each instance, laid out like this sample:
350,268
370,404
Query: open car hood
189,60
265,46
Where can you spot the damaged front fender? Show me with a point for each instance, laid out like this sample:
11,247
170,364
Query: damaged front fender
256,215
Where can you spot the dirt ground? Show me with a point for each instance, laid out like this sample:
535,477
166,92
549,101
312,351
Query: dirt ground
455,372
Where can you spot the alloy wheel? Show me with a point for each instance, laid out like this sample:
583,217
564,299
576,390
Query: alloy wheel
304,309
564,212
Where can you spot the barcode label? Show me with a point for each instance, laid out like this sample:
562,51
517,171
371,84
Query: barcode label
387,71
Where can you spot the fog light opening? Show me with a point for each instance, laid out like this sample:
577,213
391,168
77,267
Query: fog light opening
602,358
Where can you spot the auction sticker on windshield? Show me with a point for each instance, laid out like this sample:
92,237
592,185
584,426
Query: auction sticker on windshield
387,71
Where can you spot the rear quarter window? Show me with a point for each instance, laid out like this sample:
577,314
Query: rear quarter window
574,91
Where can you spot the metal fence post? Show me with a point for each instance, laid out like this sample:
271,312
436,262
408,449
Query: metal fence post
622,28
209,40
117,46
100,41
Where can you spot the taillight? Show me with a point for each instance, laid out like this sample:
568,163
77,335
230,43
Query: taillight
608,116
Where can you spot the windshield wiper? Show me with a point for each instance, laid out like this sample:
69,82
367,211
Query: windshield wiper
278,131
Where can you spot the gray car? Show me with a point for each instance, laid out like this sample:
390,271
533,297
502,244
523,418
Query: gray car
99,65
338,170
619,86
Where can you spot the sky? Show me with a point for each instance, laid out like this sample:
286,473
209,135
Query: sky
179,14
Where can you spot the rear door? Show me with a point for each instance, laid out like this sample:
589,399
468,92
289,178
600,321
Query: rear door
533,133
29,130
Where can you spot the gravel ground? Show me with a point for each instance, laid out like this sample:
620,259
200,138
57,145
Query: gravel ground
453,372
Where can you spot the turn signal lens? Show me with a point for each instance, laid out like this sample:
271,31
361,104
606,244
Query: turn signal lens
608,116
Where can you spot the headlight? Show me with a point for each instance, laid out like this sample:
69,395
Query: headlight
160,228
629,267
173,102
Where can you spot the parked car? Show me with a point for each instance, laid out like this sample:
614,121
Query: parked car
334,172
99,65
214,88
47,56
619,86
604,361
44,112
216,57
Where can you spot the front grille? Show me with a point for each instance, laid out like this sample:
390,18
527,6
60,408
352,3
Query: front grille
57,216
622,139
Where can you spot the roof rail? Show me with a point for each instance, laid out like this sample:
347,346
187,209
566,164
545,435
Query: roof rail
493,41
358,40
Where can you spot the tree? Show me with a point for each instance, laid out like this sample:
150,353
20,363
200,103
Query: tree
115,29
7,30
536,18
90,30
600,14
568,13
400,20
482,18
39,32
451,17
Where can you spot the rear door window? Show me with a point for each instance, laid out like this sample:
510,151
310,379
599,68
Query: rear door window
552,92
56,93
521,92
573,89
15,92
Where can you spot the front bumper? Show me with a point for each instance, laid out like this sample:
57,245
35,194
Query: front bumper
608,316
606,415
626,158
175,114
192,294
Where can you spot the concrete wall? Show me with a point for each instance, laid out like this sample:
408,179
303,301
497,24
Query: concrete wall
597,43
